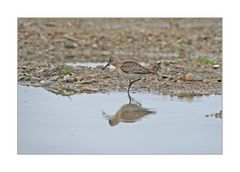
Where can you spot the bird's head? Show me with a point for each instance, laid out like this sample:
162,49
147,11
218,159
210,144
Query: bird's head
111,61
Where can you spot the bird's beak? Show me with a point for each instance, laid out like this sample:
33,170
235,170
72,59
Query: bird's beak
105,66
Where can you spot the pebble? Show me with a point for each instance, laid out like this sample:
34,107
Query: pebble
205,81
179,82
189,77
45,83
94,45
129,40
27,78
53,78
21,78
199,78
217,39
89,91
53,90
167,76
216,66
179,77
70,45
68,78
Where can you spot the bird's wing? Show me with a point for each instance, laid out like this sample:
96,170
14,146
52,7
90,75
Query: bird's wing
134,68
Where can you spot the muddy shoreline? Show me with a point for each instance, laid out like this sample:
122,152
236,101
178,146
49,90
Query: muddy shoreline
190,52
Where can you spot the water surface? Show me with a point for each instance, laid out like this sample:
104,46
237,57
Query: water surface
93,64
108,124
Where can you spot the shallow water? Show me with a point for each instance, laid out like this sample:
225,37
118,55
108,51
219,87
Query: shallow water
86,64
108,124
93,64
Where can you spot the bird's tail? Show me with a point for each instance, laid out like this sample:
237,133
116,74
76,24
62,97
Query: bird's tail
154,68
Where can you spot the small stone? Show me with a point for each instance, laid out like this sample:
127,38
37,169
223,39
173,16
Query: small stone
149,38
53,78
21,78
164,76
189,77
218,39
27,78
77,90
167,76
179,77
66,77
94,45
88,91
179,82
37,84
79,79
53,90
66,93
50,24
216,66
86,82
165,63
205,81
45,83
199,78
71,45
70,80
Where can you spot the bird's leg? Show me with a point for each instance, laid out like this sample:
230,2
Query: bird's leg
130,84
135,80
130,98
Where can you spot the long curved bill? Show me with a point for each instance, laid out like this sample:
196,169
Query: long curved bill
105,66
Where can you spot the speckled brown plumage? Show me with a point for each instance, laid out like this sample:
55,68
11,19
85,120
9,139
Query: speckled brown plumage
134,68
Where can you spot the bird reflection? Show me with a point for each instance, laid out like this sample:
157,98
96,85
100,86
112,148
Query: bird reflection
216,115
128,113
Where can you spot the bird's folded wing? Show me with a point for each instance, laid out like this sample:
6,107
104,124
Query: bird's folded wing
134,68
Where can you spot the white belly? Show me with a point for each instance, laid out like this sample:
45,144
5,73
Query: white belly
129,76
